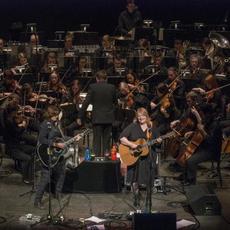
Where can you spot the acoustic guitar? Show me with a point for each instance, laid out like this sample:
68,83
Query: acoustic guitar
129,156
50,156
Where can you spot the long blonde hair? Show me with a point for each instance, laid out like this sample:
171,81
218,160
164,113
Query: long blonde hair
142,111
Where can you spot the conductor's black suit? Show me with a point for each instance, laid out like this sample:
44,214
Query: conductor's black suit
102,96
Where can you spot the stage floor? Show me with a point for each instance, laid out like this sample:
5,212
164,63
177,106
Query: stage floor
113,207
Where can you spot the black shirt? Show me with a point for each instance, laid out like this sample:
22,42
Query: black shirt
48,132
134,132
127,21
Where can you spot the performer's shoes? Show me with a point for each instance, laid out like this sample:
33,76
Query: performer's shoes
39,205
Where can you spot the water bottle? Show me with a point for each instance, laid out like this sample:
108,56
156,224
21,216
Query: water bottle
87,154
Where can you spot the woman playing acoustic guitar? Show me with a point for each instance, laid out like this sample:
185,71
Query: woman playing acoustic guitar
138,159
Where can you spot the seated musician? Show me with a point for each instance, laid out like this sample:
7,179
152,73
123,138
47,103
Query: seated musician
209,48
15,126
169,96
105,53
125,98
138,173
211,93
143,54
50,62
176,87
157,65
55,85
131,79
68,46
27,93
117,67
48,132
194,73
69,53
82,65
210,136
179,50
71,108
9,84
34,40
22,65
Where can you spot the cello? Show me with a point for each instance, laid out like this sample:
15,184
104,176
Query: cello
190,145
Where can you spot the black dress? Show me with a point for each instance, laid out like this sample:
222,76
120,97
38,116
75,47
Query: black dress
140,171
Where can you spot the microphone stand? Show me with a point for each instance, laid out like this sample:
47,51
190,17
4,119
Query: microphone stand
148,201
49,215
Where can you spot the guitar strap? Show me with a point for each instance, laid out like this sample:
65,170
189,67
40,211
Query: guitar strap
149,133
60,130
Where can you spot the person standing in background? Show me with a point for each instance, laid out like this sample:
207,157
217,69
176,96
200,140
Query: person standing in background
102,96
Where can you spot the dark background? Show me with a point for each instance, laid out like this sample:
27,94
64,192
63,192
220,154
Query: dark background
51,15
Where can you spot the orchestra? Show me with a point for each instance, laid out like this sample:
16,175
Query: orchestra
140,87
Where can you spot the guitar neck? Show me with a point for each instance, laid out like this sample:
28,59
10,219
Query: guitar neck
70,141
78,136
154,141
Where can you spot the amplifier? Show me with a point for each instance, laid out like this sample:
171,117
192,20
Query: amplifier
94,176
203,200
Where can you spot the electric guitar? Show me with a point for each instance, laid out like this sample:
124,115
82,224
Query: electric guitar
50,156
129,156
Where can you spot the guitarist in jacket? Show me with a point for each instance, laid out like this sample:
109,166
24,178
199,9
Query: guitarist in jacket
47,134
139,173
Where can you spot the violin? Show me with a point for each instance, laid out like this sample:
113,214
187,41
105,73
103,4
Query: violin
129,101
26,109
21,120
165,104
209,96
165,92
42,98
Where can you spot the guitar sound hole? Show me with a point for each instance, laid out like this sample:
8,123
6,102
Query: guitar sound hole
136,153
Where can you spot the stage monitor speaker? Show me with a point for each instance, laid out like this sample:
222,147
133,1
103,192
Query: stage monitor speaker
94,176
154,221
203,200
